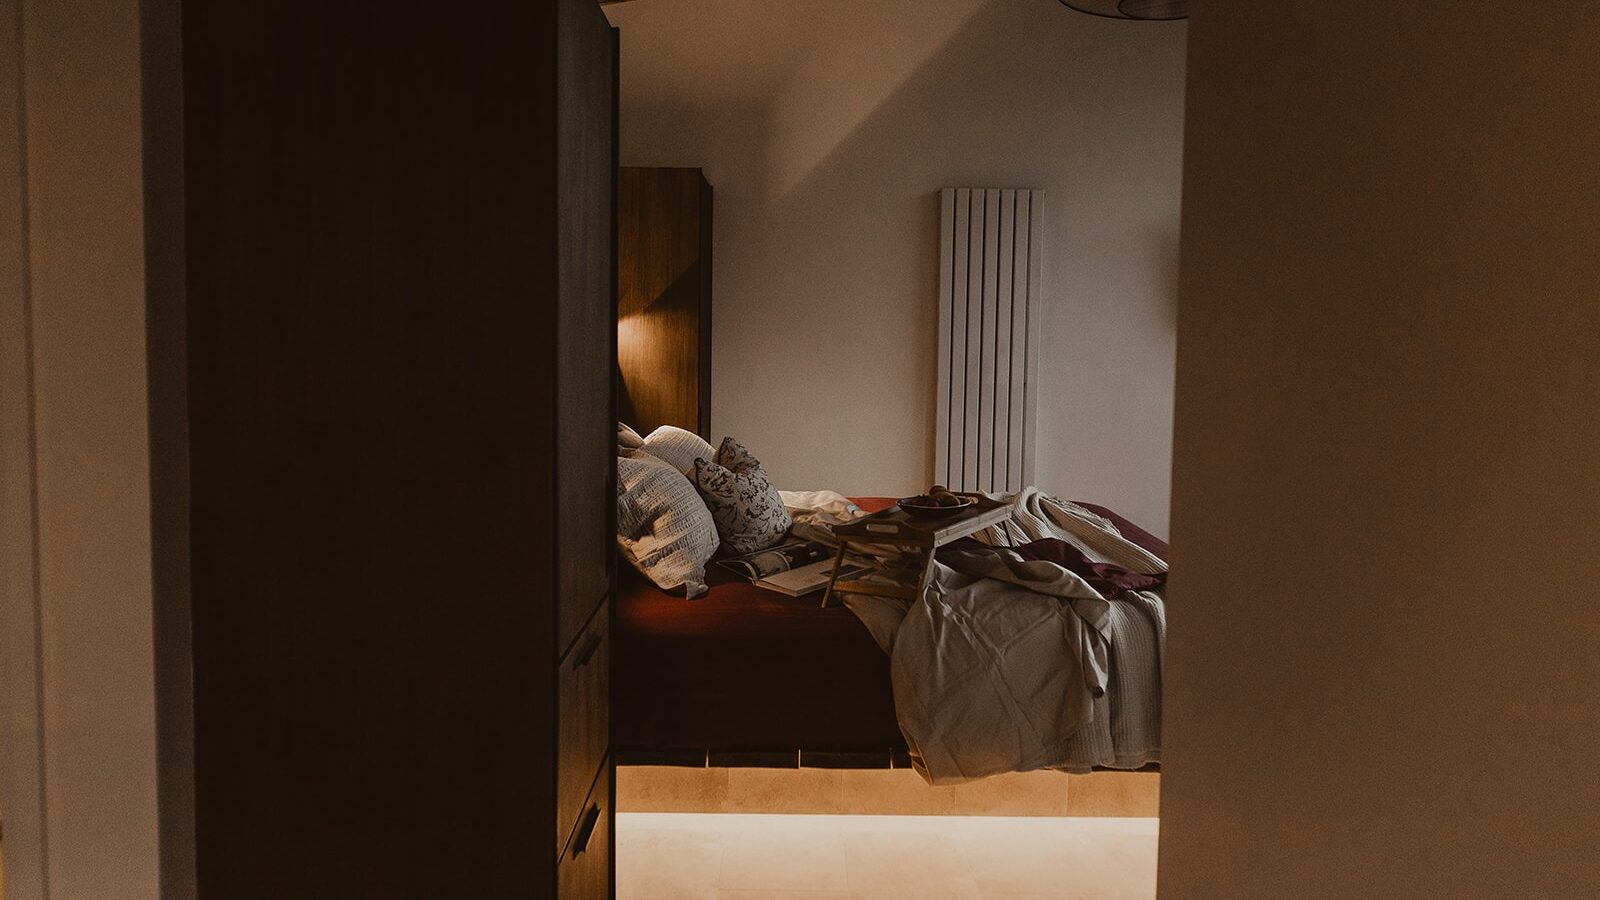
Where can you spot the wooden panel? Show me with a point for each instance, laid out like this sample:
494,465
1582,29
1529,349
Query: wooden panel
585,870
161,84
707,212
586,433
753,759
838,759
20,625
686,758
375,358
584,728
664,298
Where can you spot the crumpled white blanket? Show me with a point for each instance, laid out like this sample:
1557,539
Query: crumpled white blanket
814,512
1005,665
997,666
819,507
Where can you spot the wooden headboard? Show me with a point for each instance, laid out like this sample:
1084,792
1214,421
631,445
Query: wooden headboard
664,298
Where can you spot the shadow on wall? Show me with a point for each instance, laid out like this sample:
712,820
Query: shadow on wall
1161,255
826,278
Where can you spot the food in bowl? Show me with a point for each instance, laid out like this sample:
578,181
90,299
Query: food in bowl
938,501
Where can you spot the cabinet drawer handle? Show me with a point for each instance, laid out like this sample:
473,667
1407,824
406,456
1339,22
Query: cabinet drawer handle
583,654
580,841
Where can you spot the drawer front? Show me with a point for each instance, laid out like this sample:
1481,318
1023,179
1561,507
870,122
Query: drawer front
584,732
584,871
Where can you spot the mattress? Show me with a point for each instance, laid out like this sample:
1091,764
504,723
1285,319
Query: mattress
747,673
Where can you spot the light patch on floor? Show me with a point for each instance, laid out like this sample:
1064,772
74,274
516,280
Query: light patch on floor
883,792
691,856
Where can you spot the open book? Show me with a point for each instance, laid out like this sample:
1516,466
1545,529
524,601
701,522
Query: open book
807,578
796,567
788,555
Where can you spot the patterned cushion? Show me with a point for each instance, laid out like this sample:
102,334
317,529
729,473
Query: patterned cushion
677,448
744,503
663,527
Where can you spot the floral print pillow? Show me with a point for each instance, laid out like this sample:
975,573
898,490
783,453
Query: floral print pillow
744,504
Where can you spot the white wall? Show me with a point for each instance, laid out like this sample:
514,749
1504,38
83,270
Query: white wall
1381,678
78,739
827,127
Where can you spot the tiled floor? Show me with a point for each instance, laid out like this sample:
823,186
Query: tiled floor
667,856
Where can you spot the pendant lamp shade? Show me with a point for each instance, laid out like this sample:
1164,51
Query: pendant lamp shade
1135,10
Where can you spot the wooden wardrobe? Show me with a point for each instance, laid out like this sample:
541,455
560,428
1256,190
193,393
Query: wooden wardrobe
393,421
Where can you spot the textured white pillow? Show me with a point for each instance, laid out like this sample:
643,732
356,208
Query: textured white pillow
677,448
663,527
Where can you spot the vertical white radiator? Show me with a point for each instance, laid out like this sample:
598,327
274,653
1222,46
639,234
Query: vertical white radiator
989,308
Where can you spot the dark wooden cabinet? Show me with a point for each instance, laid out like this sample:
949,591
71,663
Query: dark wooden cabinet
584,733
585,431
395,424
586,176
587,866
664,298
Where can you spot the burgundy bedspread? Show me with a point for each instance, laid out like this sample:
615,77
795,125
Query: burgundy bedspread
745,669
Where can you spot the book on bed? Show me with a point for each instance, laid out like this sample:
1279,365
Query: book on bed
807,578
795,567
790,554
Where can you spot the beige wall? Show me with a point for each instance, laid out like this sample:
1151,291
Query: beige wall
827,127
76,610
1382,678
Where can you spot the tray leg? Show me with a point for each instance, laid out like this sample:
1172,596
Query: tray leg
838,560
927,573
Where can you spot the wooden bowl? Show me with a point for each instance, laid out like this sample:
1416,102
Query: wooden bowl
924,511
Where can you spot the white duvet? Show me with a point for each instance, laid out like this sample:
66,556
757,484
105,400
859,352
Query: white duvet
1005,665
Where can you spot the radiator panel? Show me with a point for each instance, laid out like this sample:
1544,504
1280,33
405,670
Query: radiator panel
989,311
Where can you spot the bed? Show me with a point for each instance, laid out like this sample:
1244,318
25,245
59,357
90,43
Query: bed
747,677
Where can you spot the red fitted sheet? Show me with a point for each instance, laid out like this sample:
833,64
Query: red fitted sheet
747,670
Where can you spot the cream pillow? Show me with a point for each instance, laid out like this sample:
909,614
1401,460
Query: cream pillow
663,527
677,448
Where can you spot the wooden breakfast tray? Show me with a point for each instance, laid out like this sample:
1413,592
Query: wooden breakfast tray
899,528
